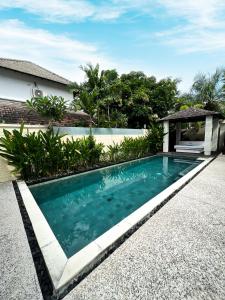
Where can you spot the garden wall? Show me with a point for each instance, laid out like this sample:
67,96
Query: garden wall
27,128
102,135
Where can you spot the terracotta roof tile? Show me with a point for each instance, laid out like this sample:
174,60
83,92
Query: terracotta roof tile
14,112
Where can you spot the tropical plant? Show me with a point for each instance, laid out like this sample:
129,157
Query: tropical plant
133,147
33,154
87,102
90,151
132,98
207,92
208,88
41,154
53,107
154,138
114,152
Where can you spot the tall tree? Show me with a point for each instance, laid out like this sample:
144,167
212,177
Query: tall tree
207,91
208,88
132,99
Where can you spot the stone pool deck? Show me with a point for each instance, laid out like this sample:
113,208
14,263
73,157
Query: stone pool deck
18,278
178,254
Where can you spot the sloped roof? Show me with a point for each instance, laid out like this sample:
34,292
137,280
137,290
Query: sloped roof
15,112
30,68
191,113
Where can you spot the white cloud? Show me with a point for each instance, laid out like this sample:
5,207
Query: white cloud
203,28
203,24
53,10
66,11
190,40
59,53
203,13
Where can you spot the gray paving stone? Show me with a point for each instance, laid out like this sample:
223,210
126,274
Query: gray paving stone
18,279
178,254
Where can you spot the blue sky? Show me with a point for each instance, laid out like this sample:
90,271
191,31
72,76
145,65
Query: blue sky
164,38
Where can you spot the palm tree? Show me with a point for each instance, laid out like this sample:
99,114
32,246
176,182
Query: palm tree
95,77
208,88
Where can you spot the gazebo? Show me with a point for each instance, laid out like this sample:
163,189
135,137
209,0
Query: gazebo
210,142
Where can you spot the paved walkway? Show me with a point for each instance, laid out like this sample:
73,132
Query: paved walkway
5,171
18,279
178,254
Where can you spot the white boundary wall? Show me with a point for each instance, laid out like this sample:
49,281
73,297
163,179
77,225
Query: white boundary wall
107,136
102,135
27,128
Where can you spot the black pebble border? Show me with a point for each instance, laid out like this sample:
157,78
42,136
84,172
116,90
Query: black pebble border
42,272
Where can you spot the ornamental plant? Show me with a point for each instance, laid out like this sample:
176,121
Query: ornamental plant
43,154
34,155
52,107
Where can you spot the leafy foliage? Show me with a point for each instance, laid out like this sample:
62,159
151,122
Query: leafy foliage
114,150
52,107
130,100
155,138
43,154
207,92
90,151
131,148
134,147
208,88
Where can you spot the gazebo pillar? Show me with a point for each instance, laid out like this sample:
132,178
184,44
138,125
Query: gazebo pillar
166,136
208,135
215,134
178,132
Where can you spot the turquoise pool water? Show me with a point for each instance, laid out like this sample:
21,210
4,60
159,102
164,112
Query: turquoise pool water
81,208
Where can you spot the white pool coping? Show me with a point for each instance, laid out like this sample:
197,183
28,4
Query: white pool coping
64,271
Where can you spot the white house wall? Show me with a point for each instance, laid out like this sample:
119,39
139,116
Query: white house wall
18,86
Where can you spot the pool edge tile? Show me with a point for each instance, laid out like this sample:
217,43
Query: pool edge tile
78,264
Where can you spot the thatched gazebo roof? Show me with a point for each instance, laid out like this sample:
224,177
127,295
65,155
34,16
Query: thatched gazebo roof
191,114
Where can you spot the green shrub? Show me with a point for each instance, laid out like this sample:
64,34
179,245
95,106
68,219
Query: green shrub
90,150
43,154
134,147
154,138
34,154
114,152
52,107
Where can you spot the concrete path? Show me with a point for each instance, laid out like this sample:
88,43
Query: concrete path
5,171
18,279
178,254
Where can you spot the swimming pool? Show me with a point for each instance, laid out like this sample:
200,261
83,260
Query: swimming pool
79,219
81,208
